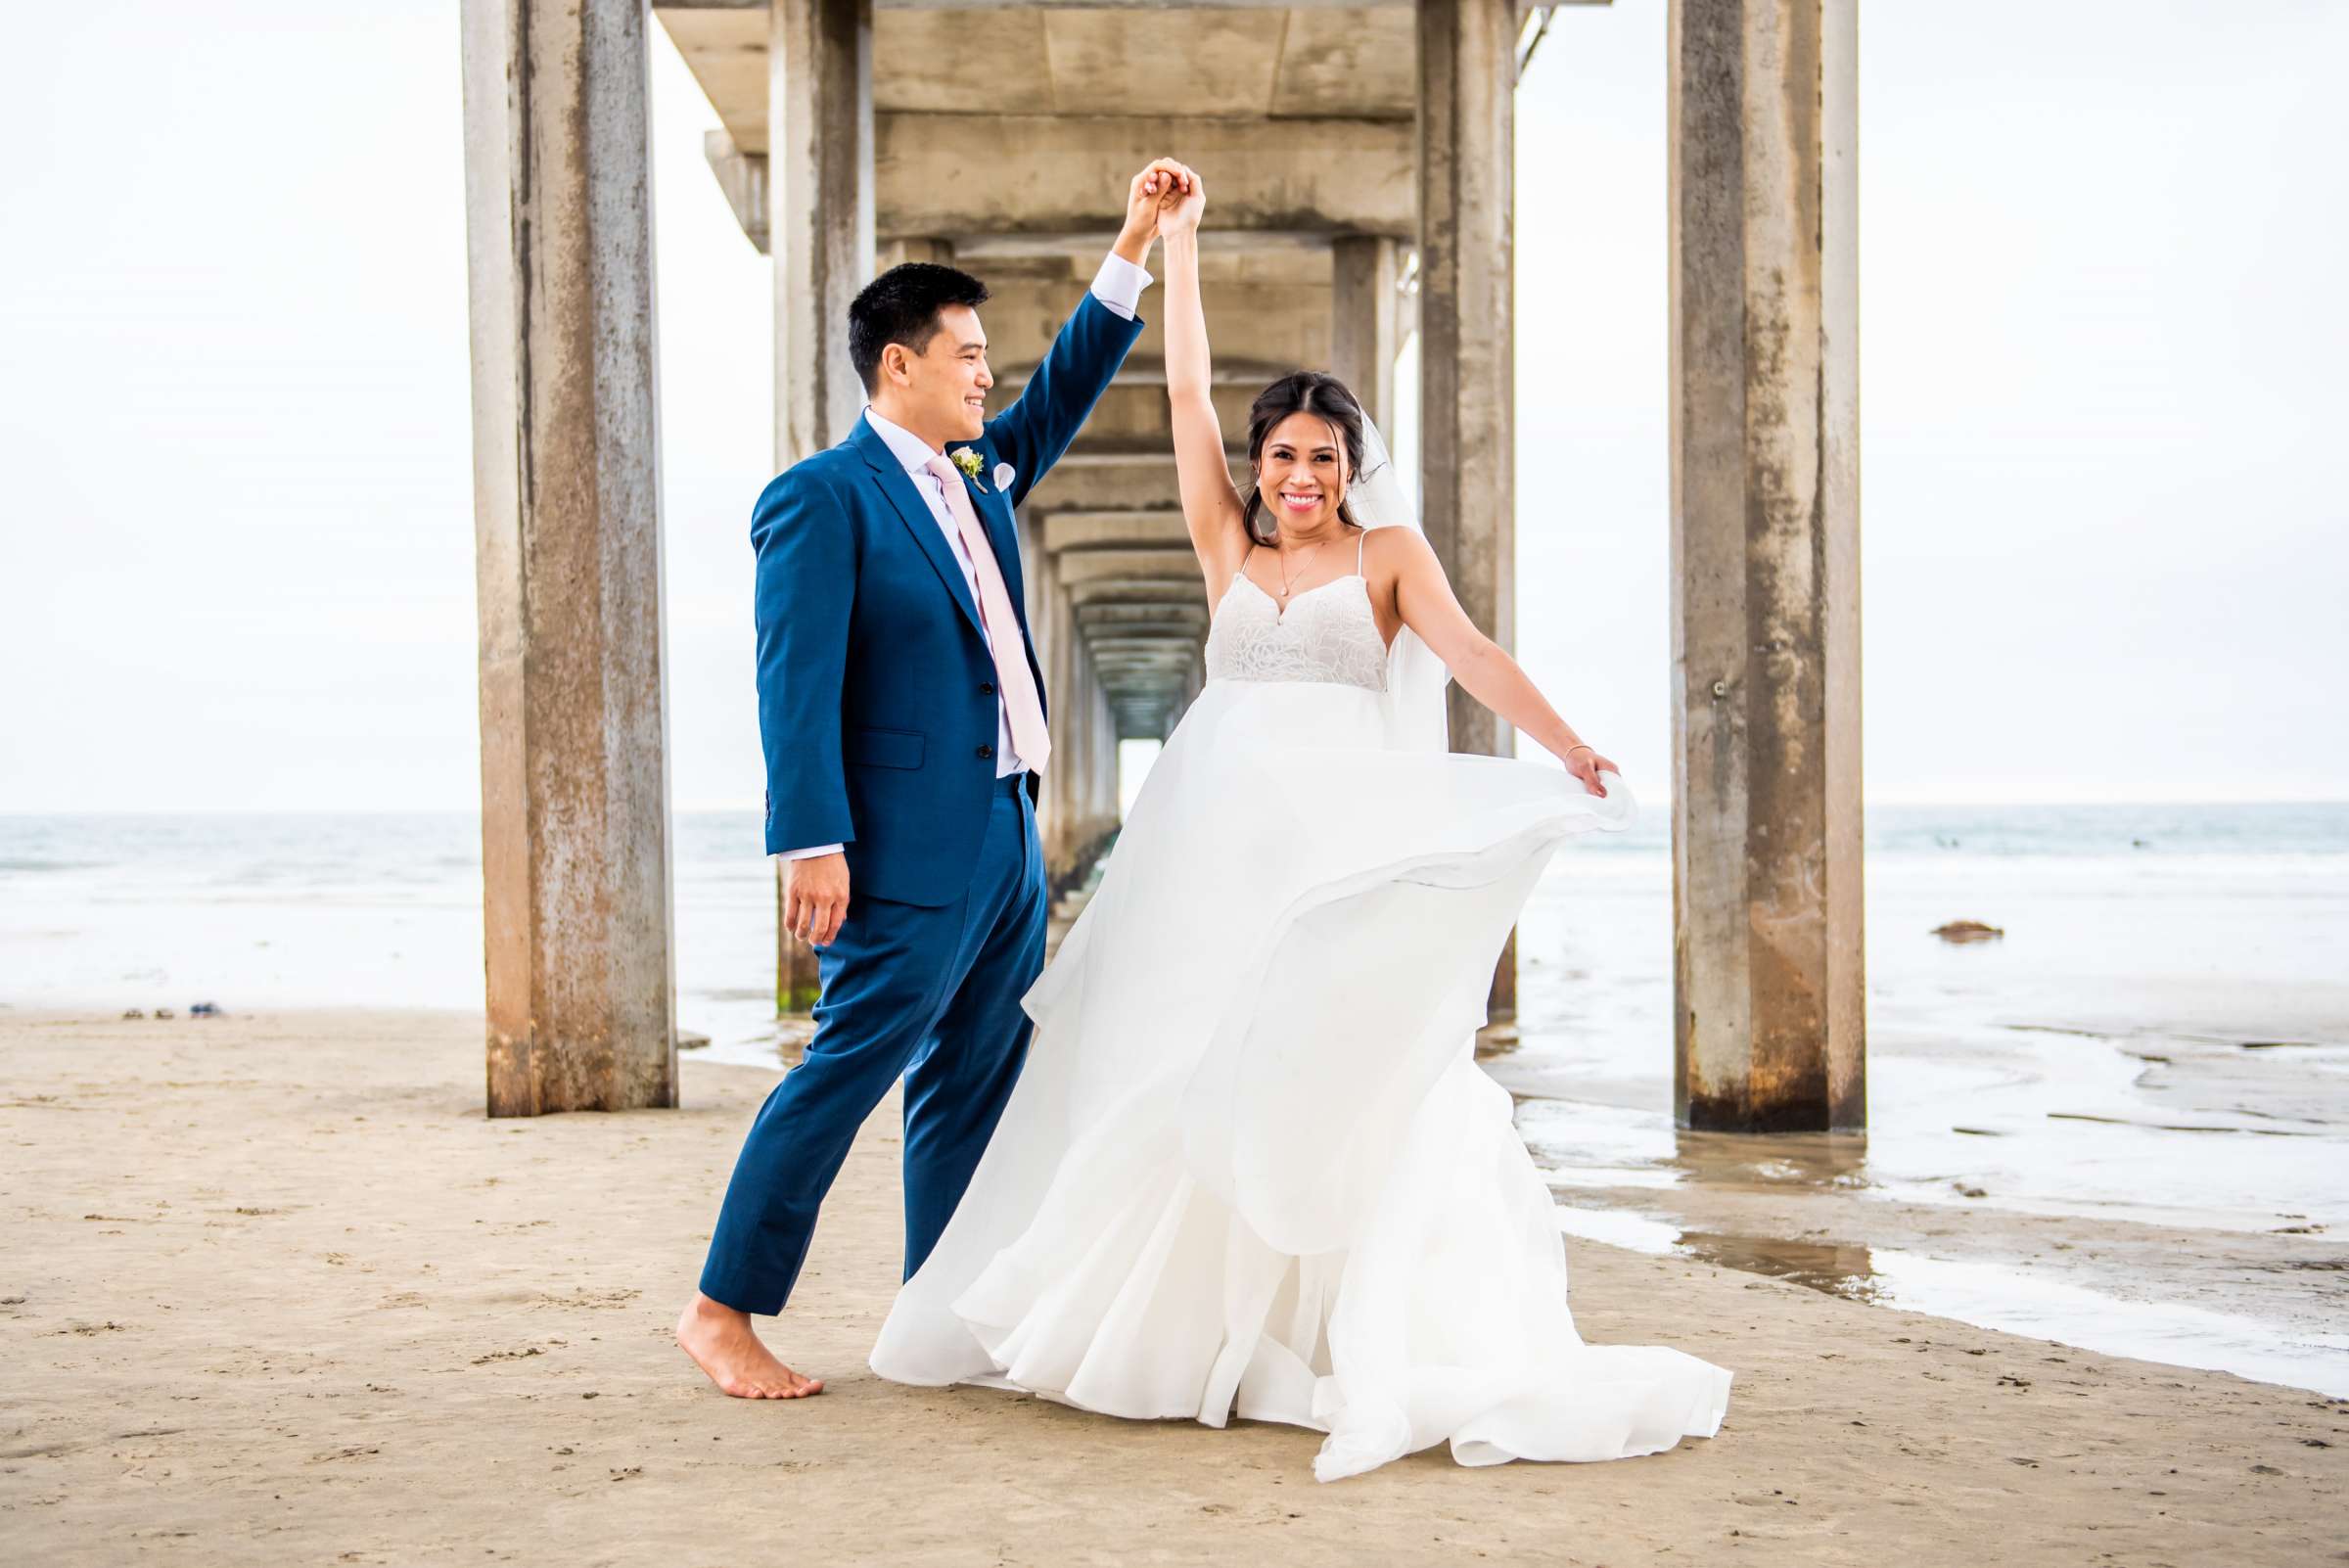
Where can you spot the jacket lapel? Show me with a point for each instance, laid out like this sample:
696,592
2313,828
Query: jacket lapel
914,512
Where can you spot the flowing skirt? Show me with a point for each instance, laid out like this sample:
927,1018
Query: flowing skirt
1251,1164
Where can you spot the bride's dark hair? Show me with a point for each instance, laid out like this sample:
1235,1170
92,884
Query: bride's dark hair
1301,392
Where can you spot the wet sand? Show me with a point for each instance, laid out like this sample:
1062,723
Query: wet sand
275,1290
2124,1125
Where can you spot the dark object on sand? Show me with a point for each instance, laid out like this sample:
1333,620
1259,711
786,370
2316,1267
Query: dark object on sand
204,1010
1967,931
133,1012
164,1012
688,1040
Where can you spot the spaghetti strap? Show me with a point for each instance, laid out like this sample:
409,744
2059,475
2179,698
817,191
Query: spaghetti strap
1358,551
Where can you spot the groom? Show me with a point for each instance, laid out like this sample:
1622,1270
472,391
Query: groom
901,708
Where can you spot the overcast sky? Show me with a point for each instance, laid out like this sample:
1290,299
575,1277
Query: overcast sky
2102,391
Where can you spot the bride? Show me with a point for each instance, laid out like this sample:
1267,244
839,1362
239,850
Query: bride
1251,1164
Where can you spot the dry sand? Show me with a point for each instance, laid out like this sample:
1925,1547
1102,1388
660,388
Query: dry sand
275,1291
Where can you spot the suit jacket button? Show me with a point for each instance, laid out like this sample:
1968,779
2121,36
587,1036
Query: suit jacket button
987,751
987,688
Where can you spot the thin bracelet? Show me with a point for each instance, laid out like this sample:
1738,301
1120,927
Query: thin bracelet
1582,746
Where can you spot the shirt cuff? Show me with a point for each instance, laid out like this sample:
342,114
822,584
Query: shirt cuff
1119,285
812,853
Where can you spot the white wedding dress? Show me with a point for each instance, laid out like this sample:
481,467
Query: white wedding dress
1251,1164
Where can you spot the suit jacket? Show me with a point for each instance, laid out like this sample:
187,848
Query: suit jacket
877,704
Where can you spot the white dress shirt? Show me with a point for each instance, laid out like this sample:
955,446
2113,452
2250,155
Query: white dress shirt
1119,285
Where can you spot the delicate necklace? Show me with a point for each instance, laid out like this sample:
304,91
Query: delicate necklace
1290,577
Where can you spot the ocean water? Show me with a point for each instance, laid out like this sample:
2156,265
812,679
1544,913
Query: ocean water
2123,1125
2158,1045
307,909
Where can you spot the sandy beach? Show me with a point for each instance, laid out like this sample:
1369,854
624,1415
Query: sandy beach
277,1291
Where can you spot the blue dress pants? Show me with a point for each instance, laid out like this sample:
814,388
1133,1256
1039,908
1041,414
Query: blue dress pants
931,995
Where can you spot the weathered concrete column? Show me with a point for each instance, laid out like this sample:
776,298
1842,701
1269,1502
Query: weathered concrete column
819,185
1086,711
1194,682
1049,613
1467,65
575,781
1104,743
1768,1026
1362,337
1467,84
1072,707
820,180
1103,740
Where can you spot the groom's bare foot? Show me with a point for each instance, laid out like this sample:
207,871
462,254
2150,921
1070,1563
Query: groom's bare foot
722,1344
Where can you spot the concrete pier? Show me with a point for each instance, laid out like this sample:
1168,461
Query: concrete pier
819,93
574,789
1770,1025
1467,331
818,180
1467,323
1365,320
1000,137
1306,124
1349,146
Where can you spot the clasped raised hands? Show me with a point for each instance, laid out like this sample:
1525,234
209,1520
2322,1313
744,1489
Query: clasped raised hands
1163,198
1182,198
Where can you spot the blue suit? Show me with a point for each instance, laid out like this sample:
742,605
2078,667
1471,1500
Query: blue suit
876,709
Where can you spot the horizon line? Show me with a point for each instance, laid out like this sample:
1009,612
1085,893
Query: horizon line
14,814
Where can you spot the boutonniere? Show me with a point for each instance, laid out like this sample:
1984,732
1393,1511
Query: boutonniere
968,460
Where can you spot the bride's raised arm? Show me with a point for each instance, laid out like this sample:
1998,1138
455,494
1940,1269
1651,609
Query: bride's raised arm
1211,507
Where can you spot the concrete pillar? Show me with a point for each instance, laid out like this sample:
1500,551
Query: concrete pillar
1055,623
820,180
1194,681
1769,1029
1406,304
1071,762
1362,327
574,782
1467,78
1101,750
1086,711
1467,54
1081,756
1105,762
819,185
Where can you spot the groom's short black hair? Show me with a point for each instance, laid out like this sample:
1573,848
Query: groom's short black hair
901,306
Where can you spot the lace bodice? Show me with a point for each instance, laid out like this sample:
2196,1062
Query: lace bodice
1329,634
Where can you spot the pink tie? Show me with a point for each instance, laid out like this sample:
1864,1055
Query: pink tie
1021,704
